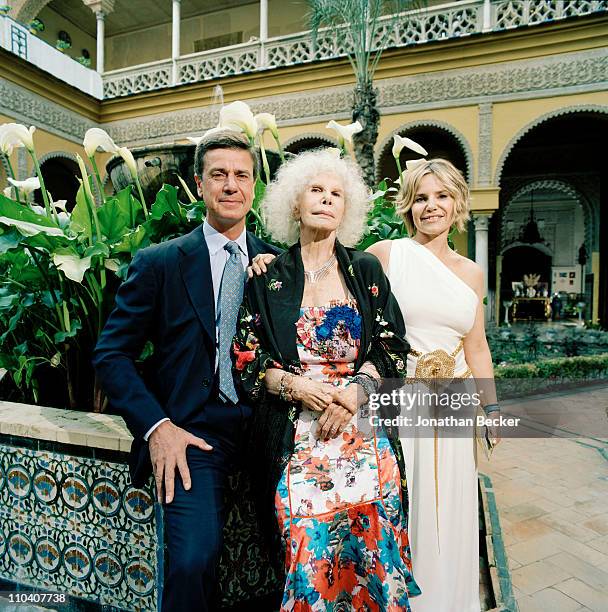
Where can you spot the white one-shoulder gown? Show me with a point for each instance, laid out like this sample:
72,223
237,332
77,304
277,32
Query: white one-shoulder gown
439,310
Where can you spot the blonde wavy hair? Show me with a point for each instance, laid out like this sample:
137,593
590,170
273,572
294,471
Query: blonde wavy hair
450,177
295,176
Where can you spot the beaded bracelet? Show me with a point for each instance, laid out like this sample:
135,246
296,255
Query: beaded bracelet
490,408
284,393
373,380
366,382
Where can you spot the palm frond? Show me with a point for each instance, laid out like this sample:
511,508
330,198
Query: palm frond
359,22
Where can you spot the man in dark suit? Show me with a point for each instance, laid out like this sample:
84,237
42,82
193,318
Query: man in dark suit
187,419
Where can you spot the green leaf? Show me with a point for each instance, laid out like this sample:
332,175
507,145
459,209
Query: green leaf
80,221
9,240
25,220
99,248
258,194
167,203
63,336
130,242
117,215
7,301
12,324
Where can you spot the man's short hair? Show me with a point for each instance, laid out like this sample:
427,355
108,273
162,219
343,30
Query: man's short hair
224,139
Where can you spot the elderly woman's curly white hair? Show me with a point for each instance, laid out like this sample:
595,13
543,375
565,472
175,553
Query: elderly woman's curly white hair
295,176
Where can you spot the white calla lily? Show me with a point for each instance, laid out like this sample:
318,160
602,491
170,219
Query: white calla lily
96,139
60,204
27,186
8,192
345,132
6,147
63,218
399,142
129,160
267,121
238,116
39,210
17,135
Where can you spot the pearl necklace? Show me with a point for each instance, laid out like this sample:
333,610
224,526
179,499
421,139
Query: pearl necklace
314,276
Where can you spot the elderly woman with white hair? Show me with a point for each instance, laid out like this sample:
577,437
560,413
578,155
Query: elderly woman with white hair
316,334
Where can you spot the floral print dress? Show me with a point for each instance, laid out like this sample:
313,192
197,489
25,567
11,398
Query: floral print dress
339,501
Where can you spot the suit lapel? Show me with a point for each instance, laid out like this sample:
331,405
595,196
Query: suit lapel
254,246
195,268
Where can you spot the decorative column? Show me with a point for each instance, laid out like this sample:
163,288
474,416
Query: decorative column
482,223
101,8
263,31
175,39
101,32
487,16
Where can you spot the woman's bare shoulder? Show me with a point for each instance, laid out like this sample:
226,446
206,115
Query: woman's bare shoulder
468,270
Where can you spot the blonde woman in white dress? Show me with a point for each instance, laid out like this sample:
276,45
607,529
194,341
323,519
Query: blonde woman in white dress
441,297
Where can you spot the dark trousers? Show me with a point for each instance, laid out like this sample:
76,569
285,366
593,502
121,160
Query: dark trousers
194,519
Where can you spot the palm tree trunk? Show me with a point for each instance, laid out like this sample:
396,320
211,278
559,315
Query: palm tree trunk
366,112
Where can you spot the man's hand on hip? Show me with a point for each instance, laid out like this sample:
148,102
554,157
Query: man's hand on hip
168,444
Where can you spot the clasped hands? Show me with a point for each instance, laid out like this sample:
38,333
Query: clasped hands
338,405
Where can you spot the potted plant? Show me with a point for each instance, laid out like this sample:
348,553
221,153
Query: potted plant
64,41
36,26
62,45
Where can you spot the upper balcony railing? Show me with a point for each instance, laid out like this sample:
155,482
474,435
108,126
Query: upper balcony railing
16,38
448,21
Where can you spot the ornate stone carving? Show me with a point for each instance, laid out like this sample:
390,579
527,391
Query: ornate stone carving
25,10
510,78
513,79
28,107
484,173
57,155
481,221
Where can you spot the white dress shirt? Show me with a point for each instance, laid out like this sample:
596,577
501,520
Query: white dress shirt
218,256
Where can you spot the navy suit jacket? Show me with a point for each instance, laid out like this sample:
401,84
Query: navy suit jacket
167,299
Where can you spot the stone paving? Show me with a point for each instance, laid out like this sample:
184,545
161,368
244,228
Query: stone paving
552,498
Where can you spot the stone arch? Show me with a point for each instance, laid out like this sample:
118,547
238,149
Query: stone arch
299,142
26,10
590,215
387,144
61,180
57,155
569,110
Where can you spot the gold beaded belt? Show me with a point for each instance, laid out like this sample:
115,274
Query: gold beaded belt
437,364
